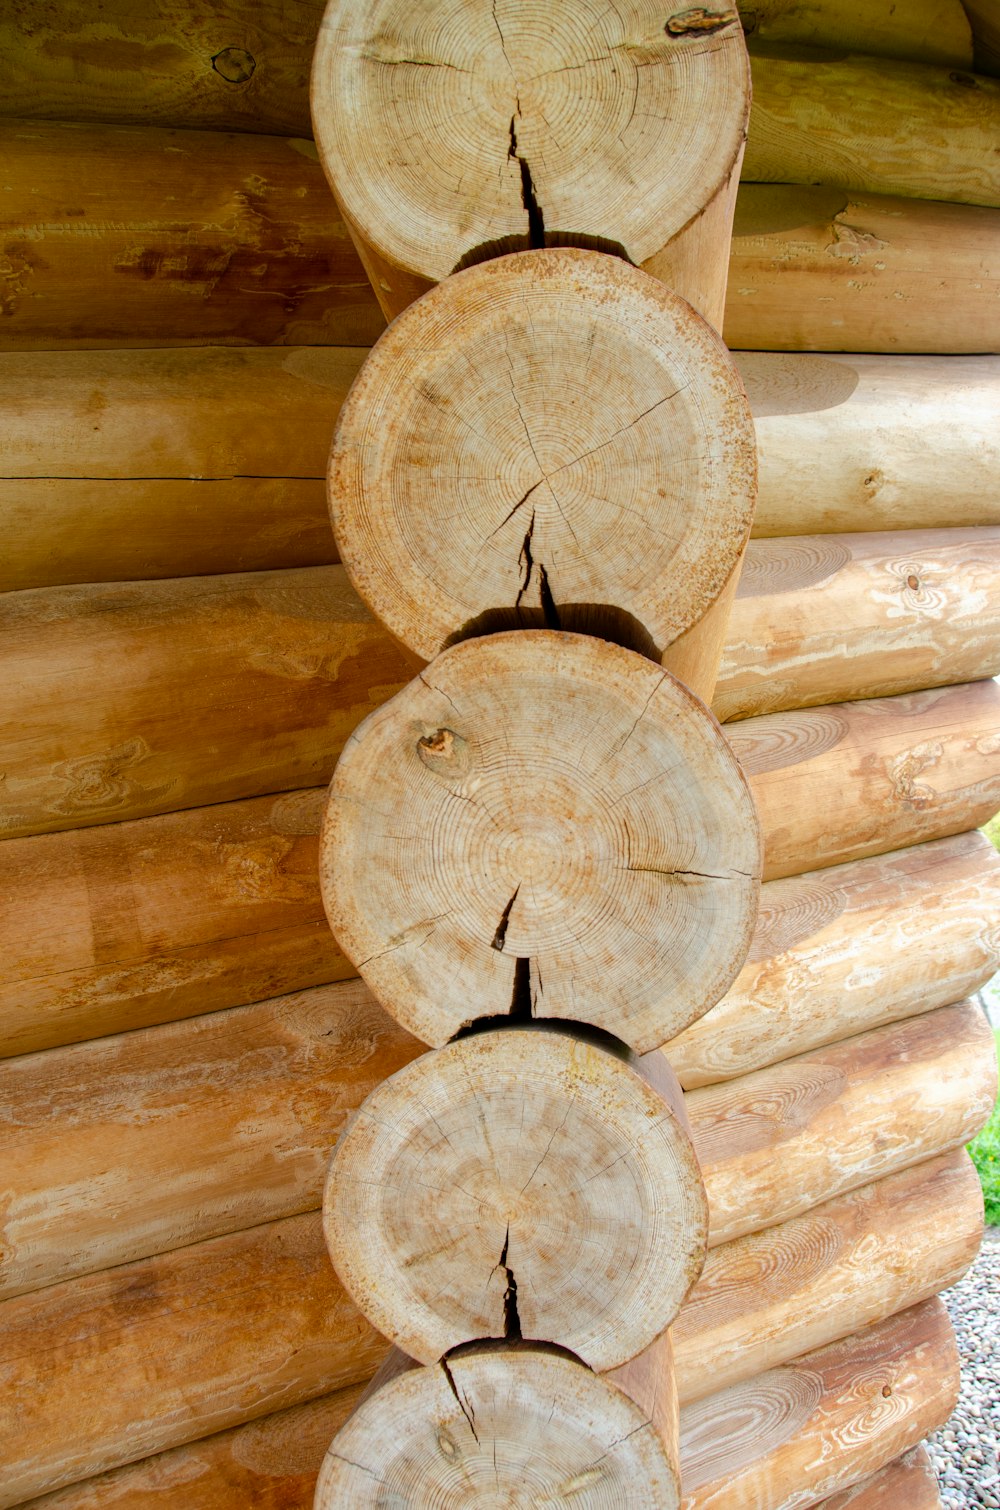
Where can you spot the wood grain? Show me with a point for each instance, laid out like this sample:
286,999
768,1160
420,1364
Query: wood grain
839,951
139,698
873,442
823,269
141,236
821,618
926,31
879,127
908,1480
794,1435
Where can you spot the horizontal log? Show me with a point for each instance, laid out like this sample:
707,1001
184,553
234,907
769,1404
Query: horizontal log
873,442
926,31
853,779
138,698
182,1317
908,1480
839,951
880,127
141,236
268,1087
230,66
778,1141
126,464
794,1435
821,618
823,269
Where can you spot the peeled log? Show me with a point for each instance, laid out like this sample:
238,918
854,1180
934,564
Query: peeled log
909,1480
587,128
598,476
546,823
820,618
119,465
853,779
873,442
926,31
820,269
231,66
839,951
139,236
139,698
795,1435
518,1183
775,1143
880,127
499,1427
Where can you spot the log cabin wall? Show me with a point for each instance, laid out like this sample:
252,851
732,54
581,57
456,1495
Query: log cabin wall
183,316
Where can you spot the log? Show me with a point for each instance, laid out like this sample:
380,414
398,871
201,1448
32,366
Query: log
860,945
88,1339
478,1428
522,1182
120,465
778,1141
603,145
853,779
926,31
824,618
872,442
547,824
599,477
908,1480
879,127
795,1435
106,684
226,67
821,269
141,236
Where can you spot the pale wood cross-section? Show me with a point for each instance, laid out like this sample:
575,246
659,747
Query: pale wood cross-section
500,1426
544,824
549,438
518,1183
457,130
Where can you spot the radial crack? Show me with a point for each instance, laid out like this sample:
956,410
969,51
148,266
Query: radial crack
536,219
525,561
521,1006
466,1410
511,1318
501,932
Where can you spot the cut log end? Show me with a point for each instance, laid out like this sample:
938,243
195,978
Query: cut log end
499,1427
451,130
553,439
542,824
517,1184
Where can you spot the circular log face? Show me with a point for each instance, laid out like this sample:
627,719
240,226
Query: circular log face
499,1427
553,438
546,824
455,126
517,1183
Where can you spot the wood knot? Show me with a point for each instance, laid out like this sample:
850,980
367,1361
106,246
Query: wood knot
445,752
913,582
234,65
964,79
698,21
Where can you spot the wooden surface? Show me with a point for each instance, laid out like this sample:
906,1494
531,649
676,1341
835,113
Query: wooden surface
986,32
229,66
138,698
876,126
776,1142
599,476
823,269
595,133
794,1435
552,1135
141,236
869,442
120,465
839,951
909,1481
512,833
821,618
479,1429
927,31
852,779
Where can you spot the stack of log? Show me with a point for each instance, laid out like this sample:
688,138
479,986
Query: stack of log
185,659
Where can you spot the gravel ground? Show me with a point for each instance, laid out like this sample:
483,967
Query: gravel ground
966,1451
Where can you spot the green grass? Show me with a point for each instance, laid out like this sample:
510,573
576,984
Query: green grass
985,1151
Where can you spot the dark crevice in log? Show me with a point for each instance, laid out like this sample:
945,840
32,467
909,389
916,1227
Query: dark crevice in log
466,1410
549,610
511,1318
525,561
501,931
533,210
521,1005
